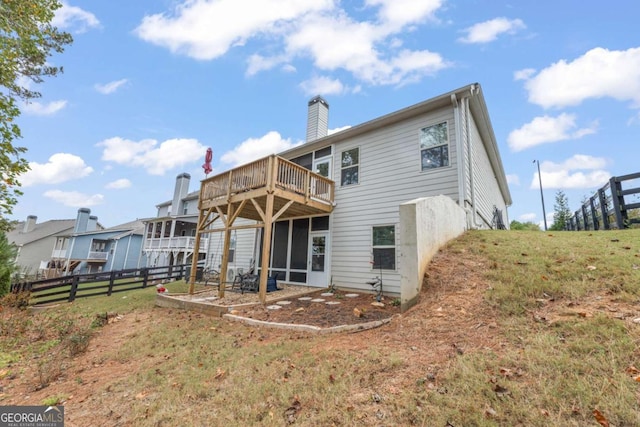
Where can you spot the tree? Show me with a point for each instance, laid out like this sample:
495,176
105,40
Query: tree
8,252
27,39
530,226
562,213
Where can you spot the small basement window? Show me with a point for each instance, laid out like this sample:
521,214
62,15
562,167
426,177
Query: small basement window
384,247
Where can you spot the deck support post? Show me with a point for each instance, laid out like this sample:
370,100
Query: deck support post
225,250
196,251
266,248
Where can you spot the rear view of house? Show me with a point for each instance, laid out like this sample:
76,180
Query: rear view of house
328,211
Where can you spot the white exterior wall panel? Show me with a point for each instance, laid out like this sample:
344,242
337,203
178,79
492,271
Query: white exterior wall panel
389,174
487,191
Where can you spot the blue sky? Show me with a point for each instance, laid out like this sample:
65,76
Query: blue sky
149,85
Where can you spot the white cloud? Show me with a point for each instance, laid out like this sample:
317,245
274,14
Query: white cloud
72,16
527,217
288,68
61,167
546,129
488,31
118,184
599,73
338,42
257,63
320,31
577,161
256,148
398,13
74,198
323,85
634,119
524,74
155,158
39,109
109,88
569,174
336,130
188,29
513,179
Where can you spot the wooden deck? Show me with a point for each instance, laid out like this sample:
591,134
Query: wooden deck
309,192
265,190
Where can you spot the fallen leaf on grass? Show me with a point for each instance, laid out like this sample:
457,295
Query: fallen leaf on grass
490,412
141,395
632,370
501,391
600,418
291,412
219,373
591,267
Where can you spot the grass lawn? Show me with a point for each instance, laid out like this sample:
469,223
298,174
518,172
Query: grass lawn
513,329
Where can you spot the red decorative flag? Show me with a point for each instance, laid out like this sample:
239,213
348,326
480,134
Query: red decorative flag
207,161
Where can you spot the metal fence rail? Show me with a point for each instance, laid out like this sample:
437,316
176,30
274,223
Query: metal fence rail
609,207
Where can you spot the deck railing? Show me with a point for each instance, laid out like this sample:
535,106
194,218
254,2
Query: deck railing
271,172
182,242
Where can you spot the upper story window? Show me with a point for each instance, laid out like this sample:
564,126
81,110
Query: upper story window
350,164
434,146
185,208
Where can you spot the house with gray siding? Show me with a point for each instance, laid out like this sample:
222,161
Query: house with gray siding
34,241
170,236
328,212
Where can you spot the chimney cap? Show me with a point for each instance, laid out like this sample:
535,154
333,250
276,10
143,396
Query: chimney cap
84,210
184,175
317,99
32,217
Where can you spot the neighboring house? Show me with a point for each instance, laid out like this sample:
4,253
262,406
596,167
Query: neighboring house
34,241
169,238
97,249
330,208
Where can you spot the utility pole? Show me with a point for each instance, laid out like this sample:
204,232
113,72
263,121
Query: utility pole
544,213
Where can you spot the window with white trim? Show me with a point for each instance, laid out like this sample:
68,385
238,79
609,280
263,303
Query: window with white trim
350,165
384,247
434,146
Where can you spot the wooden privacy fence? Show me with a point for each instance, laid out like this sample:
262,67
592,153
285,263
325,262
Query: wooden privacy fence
609,207
69,288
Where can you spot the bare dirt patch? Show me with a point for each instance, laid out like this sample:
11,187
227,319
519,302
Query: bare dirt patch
323,309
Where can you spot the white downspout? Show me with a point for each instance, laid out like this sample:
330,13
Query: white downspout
459,151
470,155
